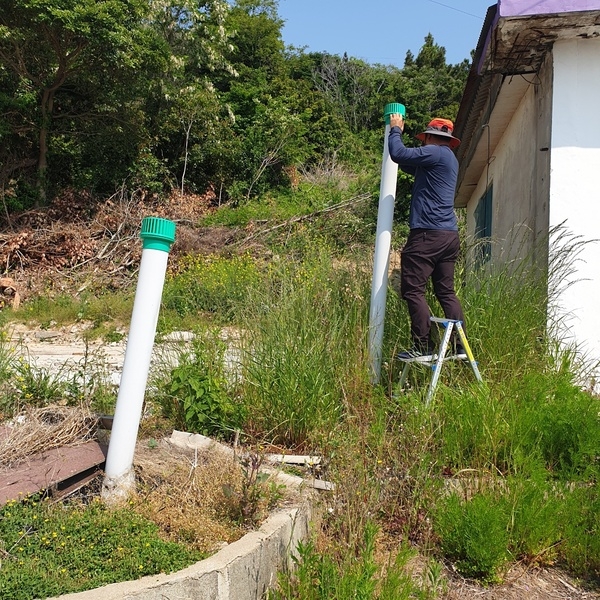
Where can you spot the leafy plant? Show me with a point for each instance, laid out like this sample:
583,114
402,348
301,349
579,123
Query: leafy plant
258,492
195,397
202,405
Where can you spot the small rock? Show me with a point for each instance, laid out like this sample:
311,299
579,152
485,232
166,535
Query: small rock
179,336
46,335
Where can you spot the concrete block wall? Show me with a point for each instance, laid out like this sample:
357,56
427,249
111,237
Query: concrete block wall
243,570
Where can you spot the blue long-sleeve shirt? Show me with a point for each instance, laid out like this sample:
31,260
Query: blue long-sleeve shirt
436,170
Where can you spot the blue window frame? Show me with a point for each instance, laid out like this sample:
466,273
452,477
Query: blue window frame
483,227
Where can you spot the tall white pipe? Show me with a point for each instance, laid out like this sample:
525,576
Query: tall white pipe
158,235
383,242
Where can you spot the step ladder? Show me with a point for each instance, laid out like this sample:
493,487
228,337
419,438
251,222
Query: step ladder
437,362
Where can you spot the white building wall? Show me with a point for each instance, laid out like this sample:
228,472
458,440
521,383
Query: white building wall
575,185
511,172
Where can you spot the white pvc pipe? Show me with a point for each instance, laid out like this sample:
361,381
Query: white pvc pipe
381,260
119,476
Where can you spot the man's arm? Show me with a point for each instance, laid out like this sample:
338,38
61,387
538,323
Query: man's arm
408,158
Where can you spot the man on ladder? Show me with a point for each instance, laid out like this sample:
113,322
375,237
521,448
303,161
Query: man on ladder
433,243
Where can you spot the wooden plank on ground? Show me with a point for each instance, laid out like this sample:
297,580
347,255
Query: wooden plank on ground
49,469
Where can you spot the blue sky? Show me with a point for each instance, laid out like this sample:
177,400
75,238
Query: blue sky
382,31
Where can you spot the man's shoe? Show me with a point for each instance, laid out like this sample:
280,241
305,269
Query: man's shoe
417,354
461,353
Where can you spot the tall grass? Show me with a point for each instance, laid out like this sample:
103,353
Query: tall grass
530,437
304,349
517,456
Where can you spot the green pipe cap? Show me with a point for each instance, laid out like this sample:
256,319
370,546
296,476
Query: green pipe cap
392,109
157,234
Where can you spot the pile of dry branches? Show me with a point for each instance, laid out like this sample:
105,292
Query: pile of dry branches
70,232
78,235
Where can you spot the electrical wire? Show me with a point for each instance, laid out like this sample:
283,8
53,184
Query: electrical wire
456,9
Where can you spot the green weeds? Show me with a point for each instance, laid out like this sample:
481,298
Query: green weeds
52,549
473,535
525,446
211,284
104,311
27,384
484,528
319,576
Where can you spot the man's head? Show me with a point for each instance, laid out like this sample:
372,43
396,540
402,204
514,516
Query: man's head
439,131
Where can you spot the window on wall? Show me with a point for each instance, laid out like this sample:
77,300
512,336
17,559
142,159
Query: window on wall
483,227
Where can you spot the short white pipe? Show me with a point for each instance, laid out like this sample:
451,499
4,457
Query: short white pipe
119,477
383,242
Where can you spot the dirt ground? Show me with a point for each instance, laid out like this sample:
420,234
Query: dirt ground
523,584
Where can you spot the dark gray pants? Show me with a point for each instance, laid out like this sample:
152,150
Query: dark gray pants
429,253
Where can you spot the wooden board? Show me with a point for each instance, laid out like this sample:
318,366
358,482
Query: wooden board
60,469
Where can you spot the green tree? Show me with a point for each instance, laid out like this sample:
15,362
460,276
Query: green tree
46,44
431,87
255,28
16,153
347,85
187,113
270,123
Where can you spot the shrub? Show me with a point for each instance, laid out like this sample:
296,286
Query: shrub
581,545
567,425
536,523
474,534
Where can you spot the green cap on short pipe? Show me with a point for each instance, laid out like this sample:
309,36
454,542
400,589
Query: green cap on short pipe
157,234
392,109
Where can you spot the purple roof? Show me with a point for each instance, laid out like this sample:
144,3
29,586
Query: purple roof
517,8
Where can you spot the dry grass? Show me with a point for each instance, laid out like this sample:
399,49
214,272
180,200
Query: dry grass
39,429
186,494
198,498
